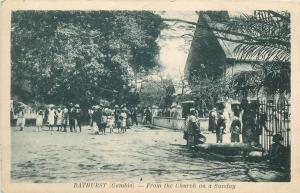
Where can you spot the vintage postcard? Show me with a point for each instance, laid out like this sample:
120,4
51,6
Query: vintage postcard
145,96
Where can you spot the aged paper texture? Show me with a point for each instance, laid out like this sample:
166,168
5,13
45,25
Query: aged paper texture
149,96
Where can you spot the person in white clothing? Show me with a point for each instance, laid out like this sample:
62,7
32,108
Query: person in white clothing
59,121
21,120
51,121
39,120
110,121
123,118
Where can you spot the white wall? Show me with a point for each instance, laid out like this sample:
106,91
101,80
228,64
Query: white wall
238,67
178,123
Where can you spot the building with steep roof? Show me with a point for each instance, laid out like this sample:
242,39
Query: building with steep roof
211,55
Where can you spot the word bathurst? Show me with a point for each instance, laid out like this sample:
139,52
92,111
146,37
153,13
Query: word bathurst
153,185
102,185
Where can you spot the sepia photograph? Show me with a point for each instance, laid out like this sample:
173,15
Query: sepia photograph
150,96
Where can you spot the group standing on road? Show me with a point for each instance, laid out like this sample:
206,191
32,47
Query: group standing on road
246,122
100,118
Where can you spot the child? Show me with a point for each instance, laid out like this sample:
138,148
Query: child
235,129
39,120
21,120
110,122
220,128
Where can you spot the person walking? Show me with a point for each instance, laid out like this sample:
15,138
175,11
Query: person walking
212,120
123,118
21,119
45,120
59,120
104,120
220,128
55,117
97,117
110,121
235,130
143,113
190,124
51,120
117,117
129,118
72,117
90,112
39,120
65,114
193,133
78,117
134,116
148,115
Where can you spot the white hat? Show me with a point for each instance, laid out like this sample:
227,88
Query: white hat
77,105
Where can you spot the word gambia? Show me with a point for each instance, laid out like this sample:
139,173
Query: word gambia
102,185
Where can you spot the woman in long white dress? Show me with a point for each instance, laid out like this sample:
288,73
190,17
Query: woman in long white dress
51,118
59,122
39,120
110,121
123,117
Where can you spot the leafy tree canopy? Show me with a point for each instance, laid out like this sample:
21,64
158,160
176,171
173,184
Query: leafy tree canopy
81,56
158,92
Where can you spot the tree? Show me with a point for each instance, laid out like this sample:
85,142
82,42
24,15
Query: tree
265,36
81,56
209,90
169,94
157,92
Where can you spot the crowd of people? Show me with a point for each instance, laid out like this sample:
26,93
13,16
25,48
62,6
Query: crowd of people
100,118
247,121
218,122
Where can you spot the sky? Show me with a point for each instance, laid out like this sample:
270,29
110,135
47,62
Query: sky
174,51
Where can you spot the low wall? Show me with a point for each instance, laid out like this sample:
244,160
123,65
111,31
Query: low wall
169,122
179,123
